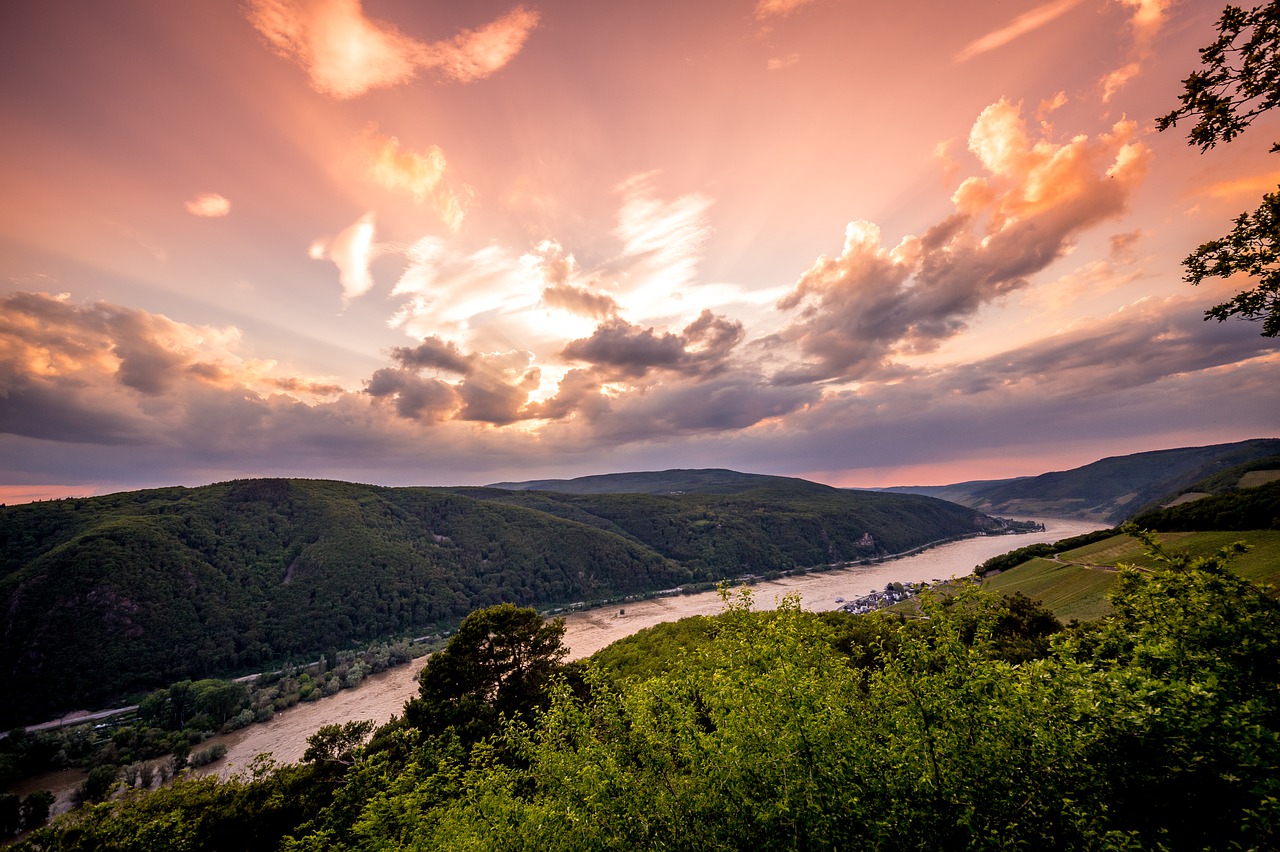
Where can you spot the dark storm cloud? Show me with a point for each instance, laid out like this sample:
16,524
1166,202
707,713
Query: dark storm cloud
1140,345
628,349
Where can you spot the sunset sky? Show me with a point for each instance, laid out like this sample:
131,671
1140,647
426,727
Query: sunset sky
428,242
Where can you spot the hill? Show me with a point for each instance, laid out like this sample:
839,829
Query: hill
1109,490
676,481
1074,582
107,595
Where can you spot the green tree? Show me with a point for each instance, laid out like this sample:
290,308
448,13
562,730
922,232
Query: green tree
35,809
1239,81
98,784
337,745
10,814
500,662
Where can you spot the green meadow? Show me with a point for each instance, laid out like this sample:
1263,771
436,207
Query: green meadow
1075,584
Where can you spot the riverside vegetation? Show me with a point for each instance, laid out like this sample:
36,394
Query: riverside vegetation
983,725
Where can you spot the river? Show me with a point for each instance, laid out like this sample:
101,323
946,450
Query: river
383,695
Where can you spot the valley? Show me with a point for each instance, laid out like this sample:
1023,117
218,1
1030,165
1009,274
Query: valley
383,695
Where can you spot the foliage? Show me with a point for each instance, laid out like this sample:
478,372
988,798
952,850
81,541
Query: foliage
718,536
1158,727
132,592
499,664
336,745
765,739
1244,509
191,815
35,809
1239,81
208,755
701,481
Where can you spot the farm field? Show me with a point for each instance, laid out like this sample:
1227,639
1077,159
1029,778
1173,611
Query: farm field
1076,582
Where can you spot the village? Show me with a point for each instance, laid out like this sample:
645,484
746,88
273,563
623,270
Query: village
892,594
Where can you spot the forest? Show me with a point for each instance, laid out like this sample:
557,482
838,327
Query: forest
979,721
112,596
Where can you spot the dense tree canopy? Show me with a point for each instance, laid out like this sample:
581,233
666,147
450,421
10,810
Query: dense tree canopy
500,663
129,592
1239,82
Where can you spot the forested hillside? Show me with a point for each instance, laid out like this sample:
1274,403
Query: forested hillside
107,595
675,481
985,725
1109,490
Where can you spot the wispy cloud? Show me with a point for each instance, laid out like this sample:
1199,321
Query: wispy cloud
352,250
208,204
1025,23
1118,79
1248,185
474,54
663,241
1148,18
767,9
346,53
418,175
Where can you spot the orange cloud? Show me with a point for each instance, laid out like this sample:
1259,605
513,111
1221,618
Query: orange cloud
857,311
766,9
208,204
1248,185
474,54
345,53
1030,177
1148,17
1025,23
404,171
57,356
1117,79
418,175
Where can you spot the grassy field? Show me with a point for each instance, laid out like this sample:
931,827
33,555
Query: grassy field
1075,584
1071,591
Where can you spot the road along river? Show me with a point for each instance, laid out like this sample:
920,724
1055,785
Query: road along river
383,695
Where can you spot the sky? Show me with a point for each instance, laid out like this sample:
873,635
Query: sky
419,242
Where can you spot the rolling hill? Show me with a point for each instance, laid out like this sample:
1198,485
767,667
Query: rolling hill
676,481
1109,490
106,595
